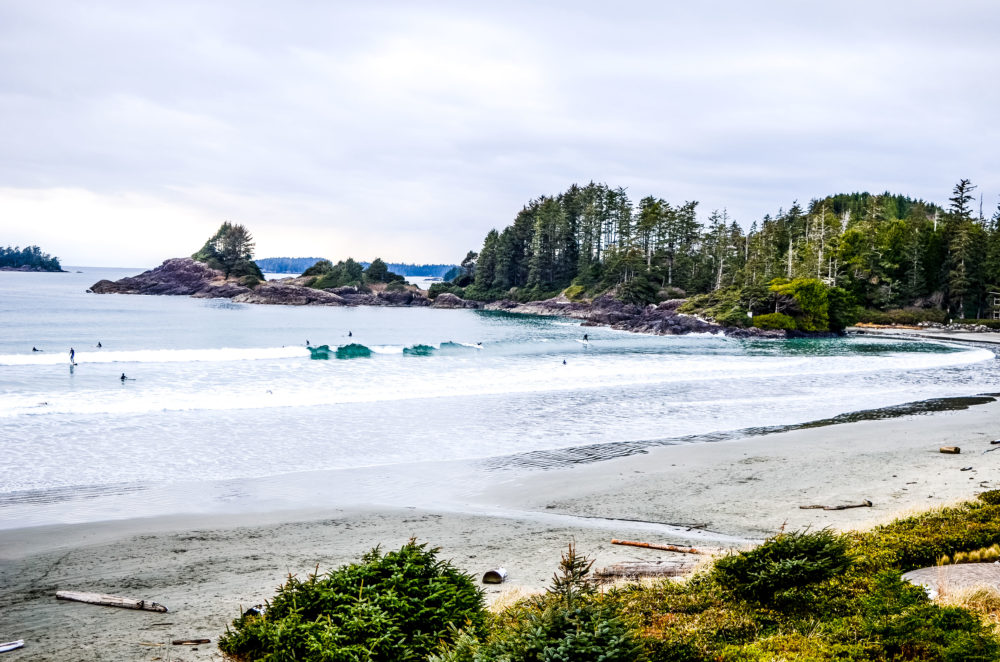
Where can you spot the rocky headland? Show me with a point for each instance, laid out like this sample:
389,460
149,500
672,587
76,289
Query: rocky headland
188,277
659,319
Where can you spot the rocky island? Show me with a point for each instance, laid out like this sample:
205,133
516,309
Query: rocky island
29,258
187,277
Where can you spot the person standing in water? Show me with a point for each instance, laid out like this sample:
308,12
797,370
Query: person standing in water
72,354
350,335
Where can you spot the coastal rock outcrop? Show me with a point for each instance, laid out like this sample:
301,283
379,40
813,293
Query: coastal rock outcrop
449,300
283,294
663,319
187,277
178,276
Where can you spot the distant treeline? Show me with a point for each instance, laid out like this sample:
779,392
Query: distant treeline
887,251
286,265
29,257
297,265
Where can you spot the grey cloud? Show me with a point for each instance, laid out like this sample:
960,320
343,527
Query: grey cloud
435,122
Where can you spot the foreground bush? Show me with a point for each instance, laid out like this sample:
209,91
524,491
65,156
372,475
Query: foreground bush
395,607
568,623
778,321
787,562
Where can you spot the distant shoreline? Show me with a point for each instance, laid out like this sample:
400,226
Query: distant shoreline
27,269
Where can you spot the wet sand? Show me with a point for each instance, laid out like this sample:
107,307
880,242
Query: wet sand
207,568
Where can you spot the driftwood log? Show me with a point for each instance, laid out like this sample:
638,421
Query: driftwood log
864,504
644,569
110,601
950,450
649,545
190,642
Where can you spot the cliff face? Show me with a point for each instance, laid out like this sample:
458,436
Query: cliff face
187,277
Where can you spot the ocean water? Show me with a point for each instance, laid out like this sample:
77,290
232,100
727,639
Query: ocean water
225,409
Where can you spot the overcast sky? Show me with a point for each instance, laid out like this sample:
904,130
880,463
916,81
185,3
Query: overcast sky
130,130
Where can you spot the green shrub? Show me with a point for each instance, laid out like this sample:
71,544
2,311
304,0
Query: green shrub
386,608
574,292
734,318
990,497
567,624
778,321
440,288
249,281
395,286
919,541
320,268
787,561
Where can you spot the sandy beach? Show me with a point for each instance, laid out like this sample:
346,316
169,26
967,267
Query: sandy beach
205,569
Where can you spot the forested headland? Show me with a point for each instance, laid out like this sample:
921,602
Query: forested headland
29,258
866,253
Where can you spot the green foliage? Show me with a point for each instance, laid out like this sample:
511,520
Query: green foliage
567,625
30,258
990,497
574,292
441,288
727,306
806,300
782,564
919,541
883,251
396,286
327,275
637,290
321,268
774,321
230,250
249,281
392,607
906,316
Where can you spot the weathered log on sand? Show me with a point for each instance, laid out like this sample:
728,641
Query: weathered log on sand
190,642
649,545
11,645
110,601
645,569
950,450
864,504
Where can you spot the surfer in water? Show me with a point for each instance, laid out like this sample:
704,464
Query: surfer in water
35,349
99,345
350,335
72,354
586,338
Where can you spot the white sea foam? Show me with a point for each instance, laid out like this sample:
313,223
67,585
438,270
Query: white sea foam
156,355
391,379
